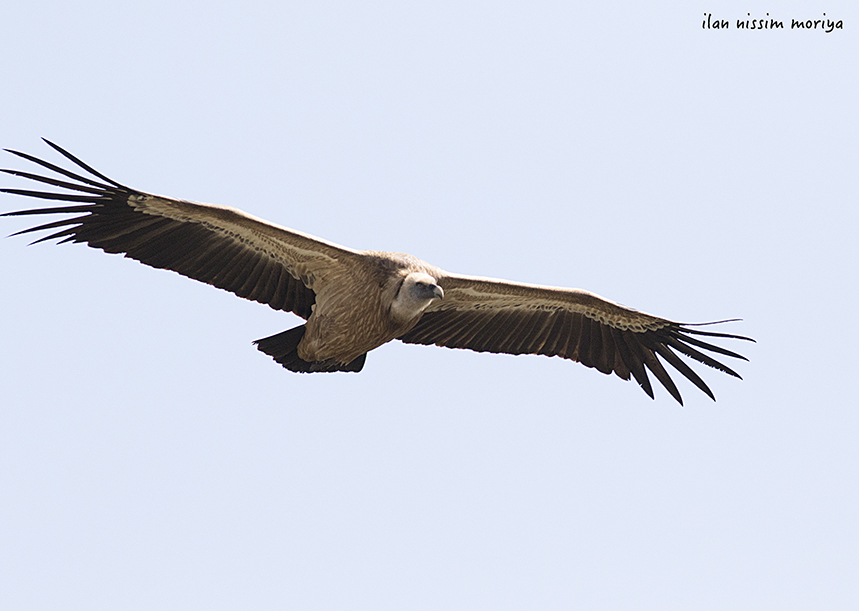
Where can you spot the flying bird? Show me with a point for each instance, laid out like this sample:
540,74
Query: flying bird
356,300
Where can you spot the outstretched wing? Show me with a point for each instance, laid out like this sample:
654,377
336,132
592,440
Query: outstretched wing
490,315
218,245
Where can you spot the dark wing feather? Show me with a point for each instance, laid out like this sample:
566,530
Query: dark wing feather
217,245
488,315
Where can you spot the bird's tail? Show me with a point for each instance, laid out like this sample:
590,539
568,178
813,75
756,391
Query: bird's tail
283,348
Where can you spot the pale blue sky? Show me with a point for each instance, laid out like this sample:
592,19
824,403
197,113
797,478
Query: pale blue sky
151,458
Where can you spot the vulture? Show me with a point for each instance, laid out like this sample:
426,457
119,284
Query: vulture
353,301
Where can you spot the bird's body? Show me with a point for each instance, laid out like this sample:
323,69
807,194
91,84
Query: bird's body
360,307
354,301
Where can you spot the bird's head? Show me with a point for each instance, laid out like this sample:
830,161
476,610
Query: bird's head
416,293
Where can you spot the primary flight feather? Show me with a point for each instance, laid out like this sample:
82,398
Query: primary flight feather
356,300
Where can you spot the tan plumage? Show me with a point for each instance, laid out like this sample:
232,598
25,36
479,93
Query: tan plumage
354,301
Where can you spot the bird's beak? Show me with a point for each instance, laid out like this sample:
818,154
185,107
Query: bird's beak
437,292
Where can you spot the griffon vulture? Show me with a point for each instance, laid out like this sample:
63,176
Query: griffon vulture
356,300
